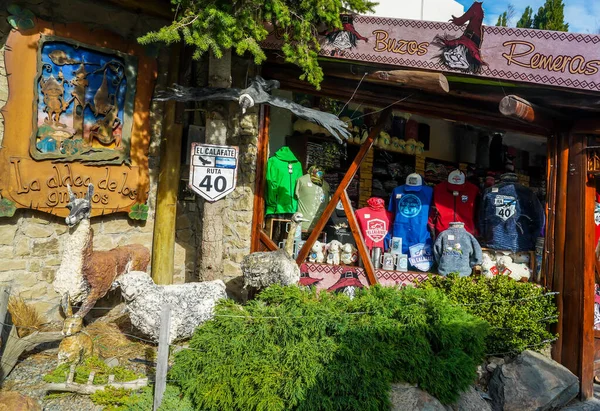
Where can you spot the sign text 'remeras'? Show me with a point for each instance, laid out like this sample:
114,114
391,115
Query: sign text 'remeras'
54,188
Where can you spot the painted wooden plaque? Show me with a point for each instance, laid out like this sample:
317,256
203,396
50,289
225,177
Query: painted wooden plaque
77,113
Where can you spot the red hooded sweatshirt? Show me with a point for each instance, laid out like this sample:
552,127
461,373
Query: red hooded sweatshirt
374,222
453,202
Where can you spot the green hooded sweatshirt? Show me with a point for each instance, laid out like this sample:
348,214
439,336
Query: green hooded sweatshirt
283,169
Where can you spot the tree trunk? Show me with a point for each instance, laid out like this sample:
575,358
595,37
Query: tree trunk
210,264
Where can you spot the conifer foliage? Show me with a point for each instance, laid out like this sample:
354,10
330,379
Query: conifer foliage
209,25
293,349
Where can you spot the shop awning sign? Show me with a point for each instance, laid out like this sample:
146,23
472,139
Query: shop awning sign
213,171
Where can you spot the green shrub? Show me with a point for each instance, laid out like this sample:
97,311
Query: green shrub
294,349
515,325
125,400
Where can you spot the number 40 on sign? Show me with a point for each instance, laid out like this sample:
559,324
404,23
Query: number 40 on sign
213,171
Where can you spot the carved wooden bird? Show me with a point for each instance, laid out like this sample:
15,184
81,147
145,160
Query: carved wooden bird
257,93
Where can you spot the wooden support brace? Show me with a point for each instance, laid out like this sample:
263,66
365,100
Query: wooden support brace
363,252
362,153
270,244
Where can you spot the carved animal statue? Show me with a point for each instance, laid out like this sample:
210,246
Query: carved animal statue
258,93
90,273
262,269
191,303
77,344
104,129
53,91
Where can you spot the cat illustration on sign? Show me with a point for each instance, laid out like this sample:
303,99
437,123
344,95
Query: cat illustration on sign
464,53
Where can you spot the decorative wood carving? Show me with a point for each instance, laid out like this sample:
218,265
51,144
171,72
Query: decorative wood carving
77,113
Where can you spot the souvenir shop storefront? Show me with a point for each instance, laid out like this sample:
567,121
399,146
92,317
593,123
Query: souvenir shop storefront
465,157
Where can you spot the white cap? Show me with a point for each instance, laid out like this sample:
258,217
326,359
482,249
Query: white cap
414,182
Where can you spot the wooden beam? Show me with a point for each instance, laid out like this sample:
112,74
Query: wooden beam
262,156
551,181
589,281
364,149
266,240
363,251
518,108
163,245
560,226
422,80
160,9
574,261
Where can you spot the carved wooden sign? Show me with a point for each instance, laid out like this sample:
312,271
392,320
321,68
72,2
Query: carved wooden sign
77,113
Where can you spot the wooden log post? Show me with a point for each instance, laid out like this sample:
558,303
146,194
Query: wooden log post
423,80
160,383
210,263
163,245
518,108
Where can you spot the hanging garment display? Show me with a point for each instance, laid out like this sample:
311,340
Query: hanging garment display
457,251
453,200
283,171
511,216
338,228
374,222
409,205
312,193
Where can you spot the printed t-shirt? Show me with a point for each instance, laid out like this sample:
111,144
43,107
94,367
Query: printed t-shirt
410,207
312,200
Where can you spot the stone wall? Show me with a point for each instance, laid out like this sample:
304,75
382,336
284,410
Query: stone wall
31,242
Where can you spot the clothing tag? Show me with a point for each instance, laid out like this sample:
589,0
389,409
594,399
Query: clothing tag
455,193
398,196
367,215
450,237
494,189
309,184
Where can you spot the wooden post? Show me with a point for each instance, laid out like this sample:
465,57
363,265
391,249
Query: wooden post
363,251
160,383
362,153
262,157
560,226
163,245
210,263
4,329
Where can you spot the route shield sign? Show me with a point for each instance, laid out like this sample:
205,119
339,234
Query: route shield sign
213,171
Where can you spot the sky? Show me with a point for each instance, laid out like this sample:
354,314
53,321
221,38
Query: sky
583,16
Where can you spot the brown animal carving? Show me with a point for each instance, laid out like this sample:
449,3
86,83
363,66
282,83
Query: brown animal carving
77,344
104,128
99,269
53,91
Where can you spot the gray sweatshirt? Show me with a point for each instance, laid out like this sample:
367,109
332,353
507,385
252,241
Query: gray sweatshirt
456,251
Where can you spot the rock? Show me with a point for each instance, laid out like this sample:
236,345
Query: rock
532,382
37,231
45,247
493,363
406,397
12,264
13,401
7,233
111,362
471,400
592,404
